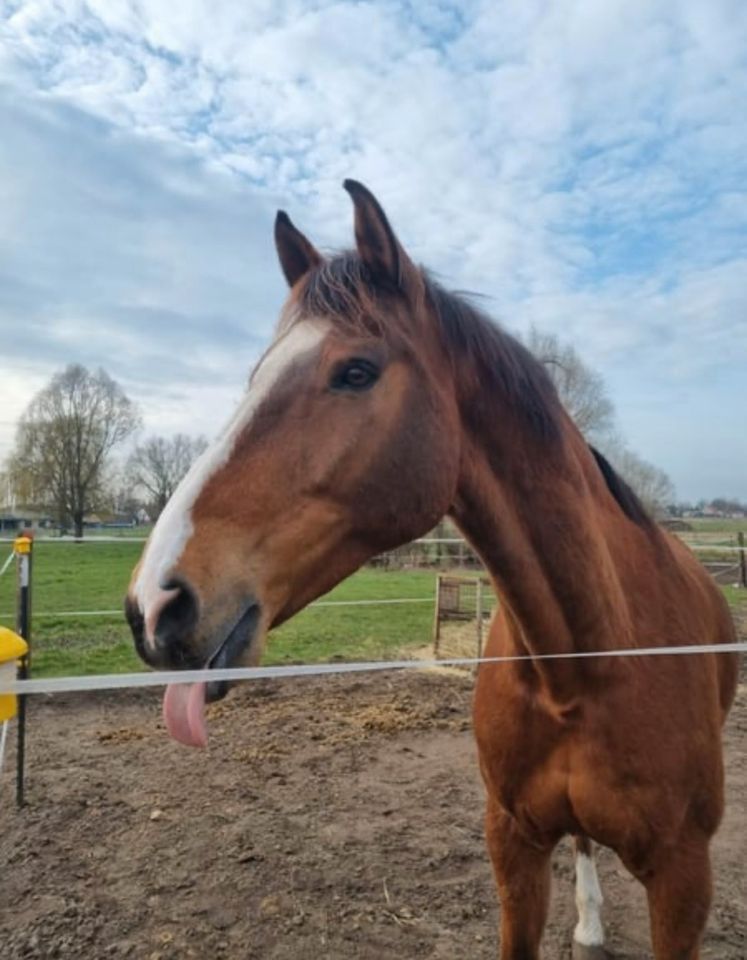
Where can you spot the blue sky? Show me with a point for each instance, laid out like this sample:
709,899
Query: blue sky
582,164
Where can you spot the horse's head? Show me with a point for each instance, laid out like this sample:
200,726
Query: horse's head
343,446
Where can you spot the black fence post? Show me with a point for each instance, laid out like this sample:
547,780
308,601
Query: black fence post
742,564
23,547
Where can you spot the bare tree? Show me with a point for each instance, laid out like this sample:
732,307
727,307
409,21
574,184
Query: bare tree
117,494
158,464
8,492
64,440
580,388
652,485
584,395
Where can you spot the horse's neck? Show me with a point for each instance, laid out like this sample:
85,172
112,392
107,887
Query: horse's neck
543,521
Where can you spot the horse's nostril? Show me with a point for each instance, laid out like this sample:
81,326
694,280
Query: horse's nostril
177,617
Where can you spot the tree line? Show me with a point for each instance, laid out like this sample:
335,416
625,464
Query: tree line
65,458
584,395
64,461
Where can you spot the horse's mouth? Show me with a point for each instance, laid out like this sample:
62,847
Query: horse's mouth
236,644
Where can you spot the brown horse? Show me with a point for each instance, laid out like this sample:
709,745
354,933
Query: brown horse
383,403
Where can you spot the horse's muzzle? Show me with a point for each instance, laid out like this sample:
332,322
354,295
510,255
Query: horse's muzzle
175,644
171,645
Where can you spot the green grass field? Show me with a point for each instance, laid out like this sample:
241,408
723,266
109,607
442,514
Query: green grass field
94,576
717,524
70,577
736,598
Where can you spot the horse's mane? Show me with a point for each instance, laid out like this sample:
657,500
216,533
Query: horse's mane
628,500
342,290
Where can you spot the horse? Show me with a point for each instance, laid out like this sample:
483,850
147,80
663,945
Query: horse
383,403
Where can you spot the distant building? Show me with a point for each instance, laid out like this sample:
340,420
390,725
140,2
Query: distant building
676,524
13,520
109,521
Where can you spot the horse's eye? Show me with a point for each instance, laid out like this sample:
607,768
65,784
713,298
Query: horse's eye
355,375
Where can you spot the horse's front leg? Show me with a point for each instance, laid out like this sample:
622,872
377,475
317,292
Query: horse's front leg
522,875
679,896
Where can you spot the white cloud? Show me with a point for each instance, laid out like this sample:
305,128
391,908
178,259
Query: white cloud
117,253
582,163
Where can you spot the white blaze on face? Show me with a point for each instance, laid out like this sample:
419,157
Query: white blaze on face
589,931
174,527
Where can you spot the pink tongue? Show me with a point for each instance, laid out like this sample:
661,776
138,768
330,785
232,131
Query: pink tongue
184,713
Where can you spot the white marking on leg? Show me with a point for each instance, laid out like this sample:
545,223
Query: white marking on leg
174,527
589,931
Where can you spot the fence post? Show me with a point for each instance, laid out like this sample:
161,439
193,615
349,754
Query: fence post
437,618
478,605
23,548
742,564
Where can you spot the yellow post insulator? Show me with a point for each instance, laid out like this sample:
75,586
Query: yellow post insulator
22,544
11,648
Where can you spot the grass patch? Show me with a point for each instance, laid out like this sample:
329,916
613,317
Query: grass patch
718,524
736,597
94,576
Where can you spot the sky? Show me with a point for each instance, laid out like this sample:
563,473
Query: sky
581,164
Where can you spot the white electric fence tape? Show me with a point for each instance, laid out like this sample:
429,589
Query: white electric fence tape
7,562
160,678
426,541
3,737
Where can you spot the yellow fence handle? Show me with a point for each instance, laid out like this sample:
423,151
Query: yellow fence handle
12,648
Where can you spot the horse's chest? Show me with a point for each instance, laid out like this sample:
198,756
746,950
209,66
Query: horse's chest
524,761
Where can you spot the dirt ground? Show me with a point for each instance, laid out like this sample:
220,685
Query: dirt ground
335,818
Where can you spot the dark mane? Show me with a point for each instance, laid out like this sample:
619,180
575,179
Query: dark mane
627,500
500,361
342,290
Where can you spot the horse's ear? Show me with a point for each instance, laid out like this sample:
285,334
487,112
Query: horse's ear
377,244
296,254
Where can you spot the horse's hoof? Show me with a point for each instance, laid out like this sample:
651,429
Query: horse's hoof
582,952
